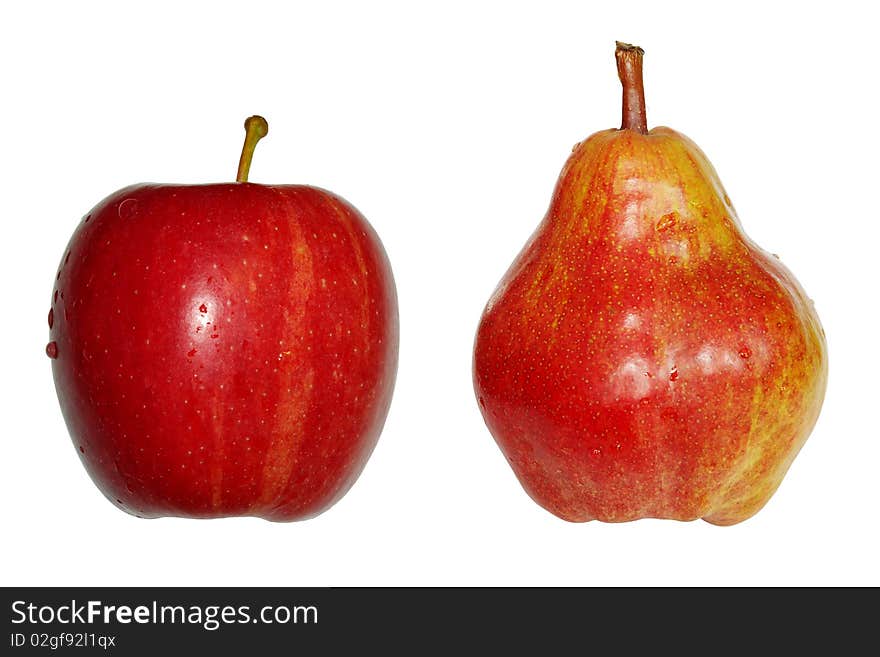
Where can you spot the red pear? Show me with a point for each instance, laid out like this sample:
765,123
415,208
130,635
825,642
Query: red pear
642,357
225,349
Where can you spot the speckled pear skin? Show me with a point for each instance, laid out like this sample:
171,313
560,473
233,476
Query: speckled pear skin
642,357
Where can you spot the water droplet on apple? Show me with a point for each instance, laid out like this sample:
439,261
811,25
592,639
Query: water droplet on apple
673,375
81,450
55,296
86,220
745,352
67,257
51,317
52,350
191,353
203,308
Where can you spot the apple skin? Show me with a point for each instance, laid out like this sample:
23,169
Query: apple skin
224,350
642,357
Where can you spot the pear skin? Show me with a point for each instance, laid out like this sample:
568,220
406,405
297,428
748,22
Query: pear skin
642,357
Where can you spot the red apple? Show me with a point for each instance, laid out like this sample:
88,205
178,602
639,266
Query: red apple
225,349
642,357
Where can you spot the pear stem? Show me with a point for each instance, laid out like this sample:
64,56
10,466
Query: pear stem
256,127
629,69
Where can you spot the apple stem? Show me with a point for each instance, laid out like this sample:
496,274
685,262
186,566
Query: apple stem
256,127
629,69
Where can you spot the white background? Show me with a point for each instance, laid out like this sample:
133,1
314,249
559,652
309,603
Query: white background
447,127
